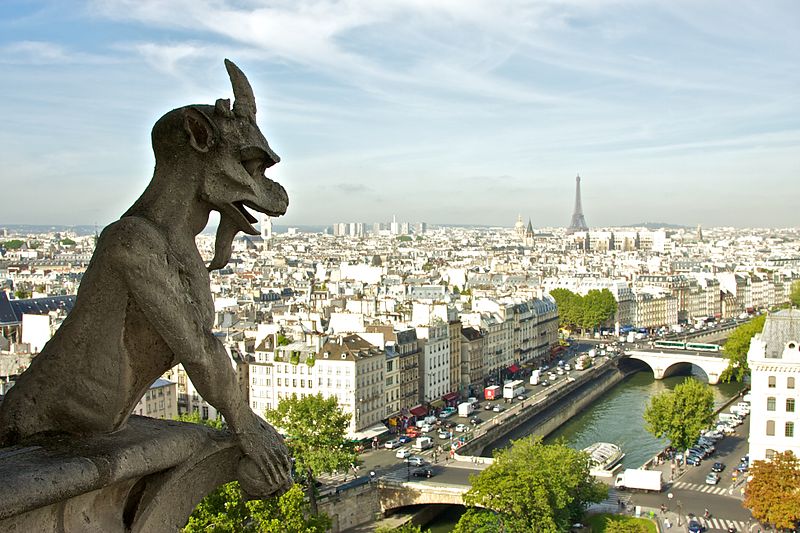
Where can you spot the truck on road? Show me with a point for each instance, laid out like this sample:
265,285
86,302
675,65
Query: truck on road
535,375
492,393
638,479
465,409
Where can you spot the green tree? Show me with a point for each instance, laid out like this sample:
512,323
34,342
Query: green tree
316,429
773,493
625,526
22,294
226,511
680,414
484,521
794,297
194,418
534,483
736,347
13,244
67,242
569,307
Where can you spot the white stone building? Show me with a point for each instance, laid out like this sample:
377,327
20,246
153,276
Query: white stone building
774,360
160,400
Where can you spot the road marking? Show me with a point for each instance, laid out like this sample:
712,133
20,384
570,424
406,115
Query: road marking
707,489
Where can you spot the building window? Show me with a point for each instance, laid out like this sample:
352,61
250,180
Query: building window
770,403
789,383
789,429
770,428
790,405
771,382
769,454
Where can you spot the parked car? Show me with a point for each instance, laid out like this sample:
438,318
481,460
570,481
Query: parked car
404,439
567,368
444,434
712,478
423,472
390,444
425,428
693,460
545,383
497,408
475,421
461,428
521,397
402,453
488,406
415,460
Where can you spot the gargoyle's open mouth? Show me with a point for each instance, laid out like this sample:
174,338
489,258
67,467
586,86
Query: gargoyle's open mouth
244,218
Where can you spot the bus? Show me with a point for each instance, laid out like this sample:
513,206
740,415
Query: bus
672,345
513,388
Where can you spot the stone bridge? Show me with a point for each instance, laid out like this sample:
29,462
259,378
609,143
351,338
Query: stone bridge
667,363
396,494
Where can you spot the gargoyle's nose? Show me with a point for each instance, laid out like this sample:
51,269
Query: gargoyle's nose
272,157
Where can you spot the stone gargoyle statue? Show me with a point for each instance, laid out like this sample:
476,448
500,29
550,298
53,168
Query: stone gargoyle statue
144,304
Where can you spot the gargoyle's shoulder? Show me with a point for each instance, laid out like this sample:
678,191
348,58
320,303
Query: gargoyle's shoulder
132,235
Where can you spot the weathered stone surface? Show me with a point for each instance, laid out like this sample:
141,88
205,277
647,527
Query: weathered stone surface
146,477
143,306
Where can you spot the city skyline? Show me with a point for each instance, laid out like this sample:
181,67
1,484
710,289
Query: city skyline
462,113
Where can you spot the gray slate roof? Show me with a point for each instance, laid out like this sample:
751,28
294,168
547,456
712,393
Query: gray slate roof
780,328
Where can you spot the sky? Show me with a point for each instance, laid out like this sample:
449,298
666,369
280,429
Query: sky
444,111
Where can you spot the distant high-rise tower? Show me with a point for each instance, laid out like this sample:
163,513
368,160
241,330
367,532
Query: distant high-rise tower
266,227
699,233
578,223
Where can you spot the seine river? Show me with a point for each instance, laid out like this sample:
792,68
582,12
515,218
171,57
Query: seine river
615,417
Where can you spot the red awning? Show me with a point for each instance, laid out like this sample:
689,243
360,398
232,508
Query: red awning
419,410
450,396
513,368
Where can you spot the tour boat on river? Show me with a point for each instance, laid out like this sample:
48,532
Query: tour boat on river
604,455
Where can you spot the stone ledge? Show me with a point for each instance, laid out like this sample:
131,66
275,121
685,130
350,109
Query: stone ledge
145,477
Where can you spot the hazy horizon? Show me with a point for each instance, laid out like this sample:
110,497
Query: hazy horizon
446,112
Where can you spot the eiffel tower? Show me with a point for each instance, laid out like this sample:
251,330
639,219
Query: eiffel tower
578,223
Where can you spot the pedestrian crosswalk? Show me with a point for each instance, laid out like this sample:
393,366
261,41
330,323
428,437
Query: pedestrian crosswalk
707,489
720,524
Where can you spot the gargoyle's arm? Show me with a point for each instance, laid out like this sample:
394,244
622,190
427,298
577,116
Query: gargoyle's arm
143,260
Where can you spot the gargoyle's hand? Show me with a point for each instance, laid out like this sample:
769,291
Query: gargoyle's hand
266,469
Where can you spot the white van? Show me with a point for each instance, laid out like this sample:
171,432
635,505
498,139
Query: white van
422,443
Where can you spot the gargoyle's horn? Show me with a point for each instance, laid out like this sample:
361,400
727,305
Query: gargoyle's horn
244,104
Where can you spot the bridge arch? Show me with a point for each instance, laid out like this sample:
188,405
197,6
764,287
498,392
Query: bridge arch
683,368
665,364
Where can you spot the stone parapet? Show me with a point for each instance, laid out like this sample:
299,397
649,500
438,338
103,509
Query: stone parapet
146,477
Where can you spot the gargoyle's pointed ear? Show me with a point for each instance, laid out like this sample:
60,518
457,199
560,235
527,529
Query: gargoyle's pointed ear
201,131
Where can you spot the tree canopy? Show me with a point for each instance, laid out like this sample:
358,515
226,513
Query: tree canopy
794,296
736,348
773,493
316,430
680,414
586,312
13,244
532,483
226,511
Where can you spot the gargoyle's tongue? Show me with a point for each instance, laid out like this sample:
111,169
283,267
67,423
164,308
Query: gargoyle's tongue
226,231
